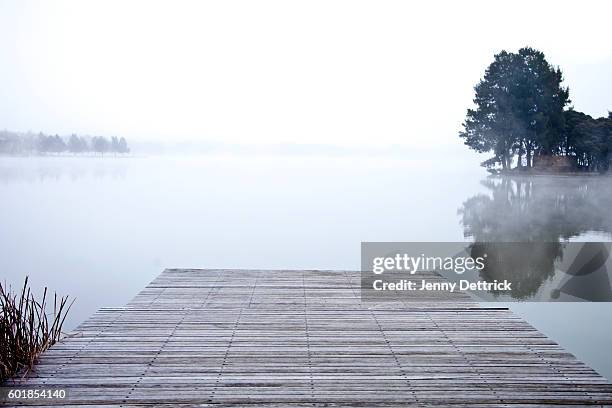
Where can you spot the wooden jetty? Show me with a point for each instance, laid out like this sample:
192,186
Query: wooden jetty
255,338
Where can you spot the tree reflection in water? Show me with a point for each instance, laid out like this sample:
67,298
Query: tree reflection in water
539,214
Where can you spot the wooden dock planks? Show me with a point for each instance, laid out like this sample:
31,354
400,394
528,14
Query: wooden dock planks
302,339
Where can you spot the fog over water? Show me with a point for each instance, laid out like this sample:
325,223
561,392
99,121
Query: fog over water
99,229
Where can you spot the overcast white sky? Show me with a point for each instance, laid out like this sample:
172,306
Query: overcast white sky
356,73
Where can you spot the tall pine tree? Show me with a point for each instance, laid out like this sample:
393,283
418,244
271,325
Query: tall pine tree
519,109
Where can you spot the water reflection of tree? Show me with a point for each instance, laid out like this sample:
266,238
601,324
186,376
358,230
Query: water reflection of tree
526,265
540,212
23,171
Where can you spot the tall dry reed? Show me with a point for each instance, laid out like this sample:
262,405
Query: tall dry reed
26,329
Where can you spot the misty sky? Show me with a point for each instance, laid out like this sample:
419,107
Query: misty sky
339,72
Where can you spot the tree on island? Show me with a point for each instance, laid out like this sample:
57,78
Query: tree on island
520,112
588,140
519,108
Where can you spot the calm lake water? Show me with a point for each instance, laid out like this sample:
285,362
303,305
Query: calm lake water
99,229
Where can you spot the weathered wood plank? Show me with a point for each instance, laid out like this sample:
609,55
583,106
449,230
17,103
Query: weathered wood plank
304,338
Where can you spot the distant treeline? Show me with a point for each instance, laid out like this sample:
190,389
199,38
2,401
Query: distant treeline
522,117
30,143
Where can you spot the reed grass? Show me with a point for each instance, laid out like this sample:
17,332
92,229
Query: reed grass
26,329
